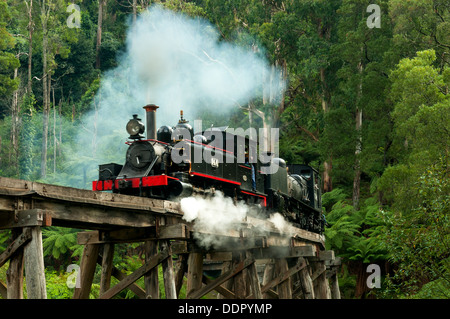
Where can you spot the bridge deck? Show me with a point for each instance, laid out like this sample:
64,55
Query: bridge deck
22,203
114,218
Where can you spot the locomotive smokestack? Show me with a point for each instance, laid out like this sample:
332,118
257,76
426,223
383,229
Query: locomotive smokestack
150,110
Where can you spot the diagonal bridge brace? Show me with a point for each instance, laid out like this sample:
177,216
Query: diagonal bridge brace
129,280
222,278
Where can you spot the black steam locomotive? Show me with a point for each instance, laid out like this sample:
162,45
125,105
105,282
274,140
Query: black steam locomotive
152,170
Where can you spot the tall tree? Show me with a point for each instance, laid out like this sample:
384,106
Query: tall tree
417,187
46,6
101,8
362,51
29,5
56,40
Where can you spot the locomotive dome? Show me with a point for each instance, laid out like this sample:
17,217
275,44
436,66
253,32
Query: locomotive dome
164,134
184,124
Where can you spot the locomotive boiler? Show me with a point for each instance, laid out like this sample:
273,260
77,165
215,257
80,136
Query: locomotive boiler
165,164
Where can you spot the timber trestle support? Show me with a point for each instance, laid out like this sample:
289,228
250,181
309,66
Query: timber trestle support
249,264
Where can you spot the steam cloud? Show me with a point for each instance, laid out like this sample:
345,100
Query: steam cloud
281,224
218,215
175,62
213,215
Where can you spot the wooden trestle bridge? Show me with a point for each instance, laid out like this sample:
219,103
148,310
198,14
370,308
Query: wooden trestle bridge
253,264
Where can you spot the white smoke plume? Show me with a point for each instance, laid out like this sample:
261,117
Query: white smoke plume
178,63
281,224
213,215
218,215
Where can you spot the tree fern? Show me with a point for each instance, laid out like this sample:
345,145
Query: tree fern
58,241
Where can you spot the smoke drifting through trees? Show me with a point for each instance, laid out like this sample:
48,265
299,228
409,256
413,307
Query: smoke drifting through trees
176,62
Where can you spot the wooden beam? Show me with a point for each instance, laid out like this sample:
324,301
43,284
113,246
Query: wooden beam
294,231
267,277
25,218
87,269
92,216
319,269
23,239
226,266
180,269
168,274
336,262
284,252
129,235
107,264
220,289
305,281
334,287
127,281
239,282
177,231
283,276
326,255
222,278
151,280
321,287
138,291
16,187
14,274
253,280
194,273
285,286
34,266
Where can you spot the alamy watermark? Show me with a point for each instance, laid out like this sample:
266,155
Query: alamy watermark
216,152
374,20
73,280
373,280
74,20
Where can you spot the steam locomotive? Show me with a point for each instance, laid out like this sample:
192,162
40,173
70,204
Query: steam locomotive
163,165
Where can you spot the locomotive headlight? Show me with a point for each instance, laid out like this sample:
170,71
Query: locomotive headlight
135,127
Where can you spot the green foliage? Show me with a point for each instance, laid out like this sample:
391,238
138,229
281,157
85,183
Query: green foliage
418,237
5,234
355,235
8,62
26,138
331,198
58,242
56,285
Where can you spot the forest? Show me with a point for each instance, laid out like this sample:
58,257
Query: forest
359,89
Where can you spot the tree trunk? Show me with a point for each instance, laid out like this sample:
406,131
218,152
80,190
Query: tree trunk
361,289
358,125
45,112
357,168
278,111
101,3
134,11
60,128
324,95
325,31
15,111
30,45
327,181
55,141
270,92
